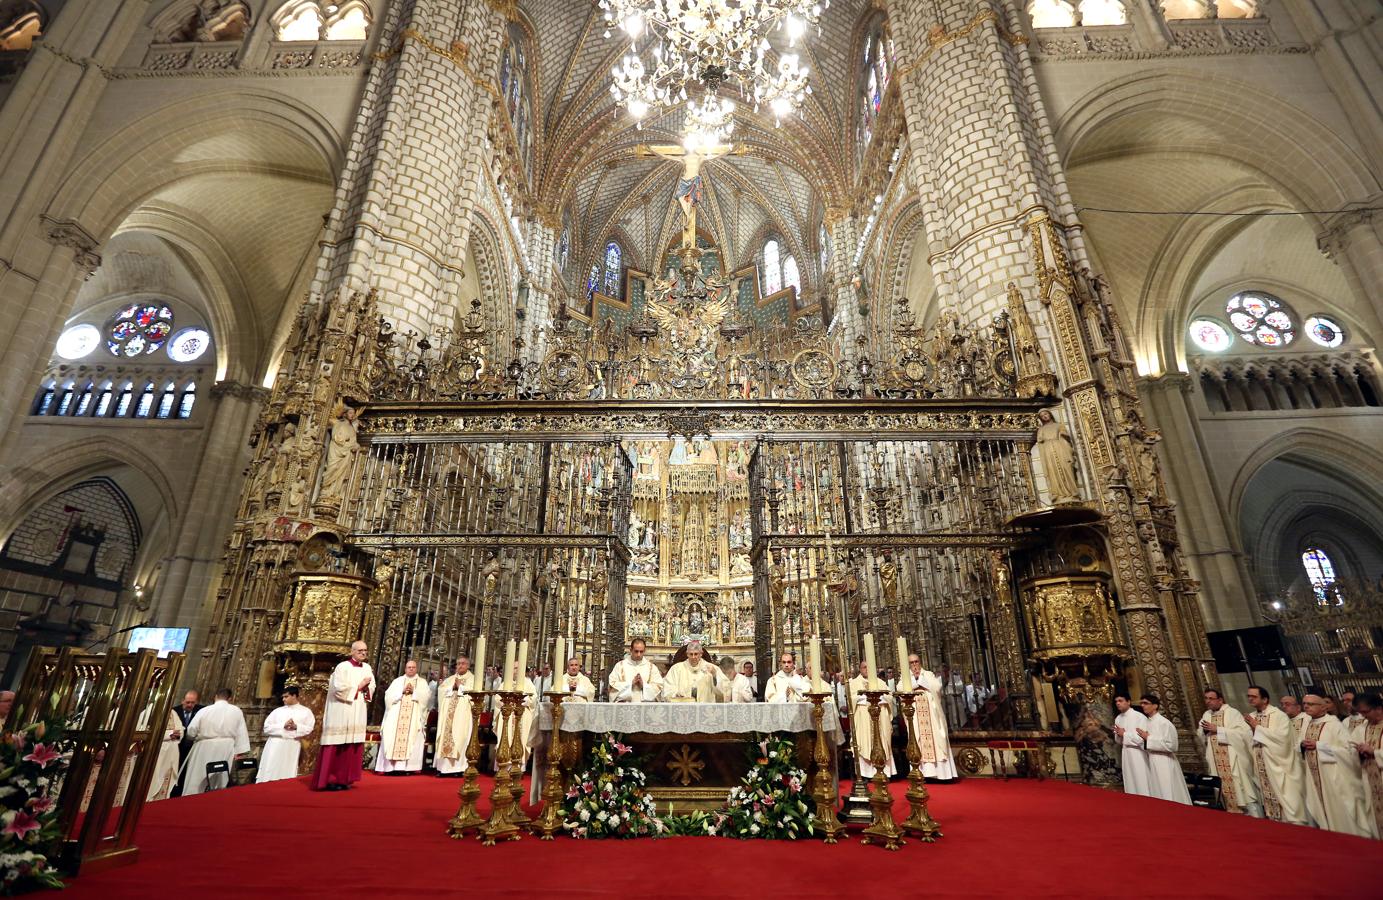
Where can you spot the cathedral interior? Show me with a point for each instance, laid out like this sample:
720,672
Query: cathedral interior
1039,333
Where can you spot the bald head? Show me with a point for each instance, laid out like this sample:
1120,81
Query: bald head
359,651
410,668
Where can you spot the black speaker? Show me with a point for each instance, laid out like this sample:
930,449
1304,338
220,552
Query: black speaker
1262,646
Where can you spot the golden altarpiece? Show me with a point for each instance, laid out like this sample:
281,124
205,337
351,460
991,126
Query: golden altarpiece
693,475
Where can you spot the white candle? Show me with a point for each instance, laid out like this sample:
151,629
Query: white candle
478,665
905,675
817,686
523,666
559,665
869,661
507,676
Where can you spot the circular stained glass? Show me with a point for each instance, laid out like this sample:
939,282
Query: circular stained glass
78,341
1325,332
1261,318
188,344
1210,335
138,329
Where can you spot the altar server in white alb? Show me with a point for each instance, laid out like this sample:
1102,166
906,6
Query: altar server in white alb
929,722
635,679
1166,781
530,703
574,683
1133,756
1276,761
862,725
454,718
405,723
742,688
284,729
1226,743
218,734
166,769
1334,793
695,679
787,684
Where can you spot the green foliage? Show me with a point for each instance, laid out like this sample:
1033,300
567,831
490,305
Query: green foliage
609,799
771,801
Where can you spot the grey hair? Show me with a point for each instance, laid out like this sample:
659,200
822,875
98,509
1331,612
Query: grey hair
697,644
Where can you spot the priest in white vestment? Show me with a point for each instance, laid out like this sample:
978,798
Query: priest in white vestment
284,729
218,735
741,689
501,723
862,725
1276,760
404,729
1369,742
929,722
574,683
635,679
787,684
1133,755
166,769
695,680
343,724
1226,744
1166,781
1334,797
454,719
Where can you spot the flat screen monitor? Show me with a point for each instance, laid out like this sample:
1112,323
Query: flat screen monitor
164,640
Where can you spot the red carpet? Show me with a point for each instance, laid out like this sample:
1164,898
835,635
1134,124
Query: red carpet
385,839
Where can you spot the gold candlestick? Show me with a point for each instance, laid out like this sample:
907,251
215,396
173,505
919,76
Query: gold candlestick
498,827
919,820
516,759
883,830
550,822
825,784
856,808
468,817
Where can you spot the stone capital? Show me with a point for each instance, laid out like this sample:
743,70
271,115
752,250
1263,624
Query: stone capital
68,233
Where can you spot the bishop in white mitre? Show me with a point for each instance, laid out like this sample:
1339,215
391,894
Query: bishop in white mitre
574,683
1334,797
402,733
166,769
218,735
1166,781
343,723
1133,755
929,723
787,684
284,729
1226,743
1276,760
529,690
635,679
862,725
695,679
454,719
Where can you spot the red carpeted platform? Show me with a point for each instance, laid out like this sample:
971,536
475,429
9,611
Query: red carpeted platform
385,838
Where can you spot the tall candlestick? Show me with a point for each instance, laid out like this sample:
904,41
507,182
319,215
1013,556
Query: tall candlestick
817,686
869,661
478,665
559,665
905,675
523,666
507,676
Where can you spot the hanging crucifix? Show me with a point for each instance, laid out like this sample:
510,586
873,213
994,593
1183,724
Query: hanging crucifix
689,185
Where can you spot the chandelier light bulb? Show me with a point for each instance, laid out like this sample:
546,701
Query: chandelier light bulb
795,28
638,107
633,25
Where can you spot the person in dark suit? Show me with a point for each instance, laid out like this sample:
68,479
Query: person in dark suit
186,712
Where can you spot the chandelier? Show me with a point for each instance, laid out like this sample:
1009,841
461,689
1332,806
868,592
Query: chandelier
677,43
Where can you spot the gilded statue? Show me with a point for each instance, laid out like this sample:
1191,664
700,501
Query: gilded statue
342,445
1057,453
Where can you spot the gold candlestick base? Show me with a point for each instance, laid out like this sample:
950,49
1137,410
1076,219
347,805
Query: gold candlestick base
883,830
825,785
468,816
516,760
919,820
498,827
550,822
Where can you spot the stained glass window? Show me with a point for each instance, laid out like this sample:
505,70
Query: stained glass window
189,397
876,67
824,242
84,400
78,341
614,268
1209,335
772,277
103,402
146,402
188,344
1325,332
1262,319
791,277
563,248
139,329
165,402
1320,571
593,280
122,408
875,97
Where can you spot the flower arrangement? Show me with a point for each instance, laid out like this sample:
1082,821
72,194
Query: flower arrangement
609,799
32,762
771,801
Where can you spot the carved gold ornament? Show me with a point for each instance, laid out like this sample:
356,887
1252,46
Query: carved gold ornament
685,764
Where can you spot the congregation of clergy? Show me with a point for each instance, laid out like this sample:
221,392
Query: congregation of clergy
1299,763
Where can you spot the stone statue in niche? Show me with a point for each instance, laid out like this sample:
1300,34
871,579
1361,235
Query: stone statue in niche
1057,453
342,445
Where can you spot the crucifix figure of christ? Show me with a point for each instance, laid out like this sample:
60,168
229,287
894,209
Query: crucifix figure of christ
689,185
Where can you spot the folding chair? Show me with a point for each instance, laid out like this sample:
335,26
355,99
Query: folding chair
245,765
220,767
1205,791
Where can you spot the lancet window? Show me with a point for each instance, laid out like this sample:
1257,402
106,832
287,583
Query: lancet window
1320,571
778,270
876,66
309,20
514,87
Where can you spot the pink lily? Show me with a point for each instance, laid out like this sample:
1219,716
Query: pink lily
21,825
42,754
